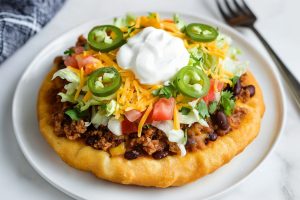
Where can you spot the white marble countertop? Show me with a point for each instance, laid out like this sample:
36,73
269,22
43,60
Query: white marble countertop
277,178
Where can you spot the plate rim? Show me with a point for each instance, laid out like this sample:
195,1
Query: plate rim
191,14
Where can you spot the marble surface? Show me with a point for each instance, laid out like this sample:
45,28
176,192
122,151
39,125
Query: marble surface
277,178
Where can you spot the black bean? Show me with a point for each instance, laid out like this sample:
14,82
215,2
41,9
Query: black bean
221,120
90,140
130,155
237,88
160,154
212,136
251,89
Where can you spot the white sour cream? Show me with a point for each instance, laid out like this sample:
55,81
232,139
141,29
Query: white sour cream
153,55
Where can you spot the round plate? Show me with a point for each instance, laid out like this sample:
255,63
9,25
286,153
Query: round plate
83,185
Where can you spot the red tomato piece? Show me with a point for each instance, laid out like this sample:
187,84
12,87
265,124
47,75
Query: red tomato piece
133,115
71,61
211,93
129,127
163,110
83,61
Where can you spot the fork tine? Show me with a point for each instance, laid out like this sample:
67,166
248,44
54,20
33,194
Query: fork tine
237,5
225,16
232,12
247,8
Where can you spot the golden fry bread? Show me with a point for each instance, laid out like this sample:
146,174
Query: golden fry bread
146,171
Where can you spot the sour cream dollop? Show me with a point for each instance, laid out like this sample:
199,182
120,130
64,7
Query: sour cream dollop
153,55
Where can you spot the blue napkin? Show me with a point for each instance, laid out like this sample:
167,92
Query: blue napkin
21,19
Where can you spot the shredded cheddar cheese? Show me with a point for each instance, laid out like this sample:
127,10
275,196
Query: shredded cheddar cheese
81,84
175,119
87,96
143,120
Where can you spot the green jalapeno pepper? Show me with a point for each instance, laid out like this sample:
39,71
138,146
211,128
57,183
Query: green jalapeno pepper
105,38
192,82
104,81
201,32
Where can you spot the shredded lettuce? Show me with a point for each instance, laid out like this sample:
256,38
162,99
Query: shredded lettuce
85,105
110,107
223,39
201,59
99,118
66,97
179,22
71,88
237,68
67,74
107,98
233,52
94,101
192,116
124,21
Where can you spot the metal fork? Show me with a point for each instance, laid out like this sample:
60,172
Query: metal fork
239,14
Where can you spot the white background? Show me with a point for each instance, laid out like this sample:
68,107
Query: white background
277,178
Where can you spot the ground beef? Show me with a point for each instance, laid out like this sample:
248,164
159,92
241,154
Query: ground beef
236,117
197,136
102,138
59,62
81,41
74,129
244,95
147,141
173,148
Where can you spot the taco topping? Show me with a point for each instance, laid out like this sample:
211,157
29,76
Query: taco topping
147,86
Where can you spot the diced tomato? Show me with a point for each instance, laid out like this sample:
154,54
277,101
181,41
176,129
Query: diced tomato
128,127
88,63
133,115
85,60
71,61
163,110
211,93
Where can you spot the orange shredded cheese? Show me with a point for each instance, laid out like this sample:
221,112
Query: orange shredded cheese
77,71
87,96
176,122
143,120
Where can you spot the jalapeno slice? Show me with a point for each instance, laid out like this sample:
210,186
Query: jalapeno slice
192,82
104,81
105,38
201,32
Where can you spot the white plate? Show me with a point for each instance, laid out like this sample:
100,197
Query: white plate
83,185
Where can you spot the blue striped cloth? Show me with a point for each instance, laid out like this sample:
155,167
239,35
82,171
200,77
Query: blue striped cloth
21,19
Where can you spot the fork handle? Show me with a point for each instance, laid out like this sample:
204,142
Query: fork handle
292,83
